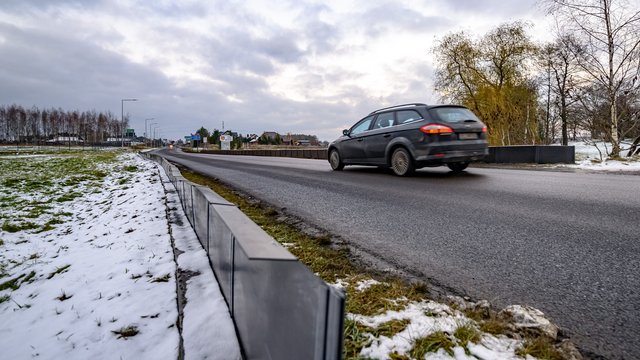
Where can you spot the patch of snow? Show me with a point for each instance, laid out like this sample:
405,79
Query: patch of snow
340,284
426,318
365,284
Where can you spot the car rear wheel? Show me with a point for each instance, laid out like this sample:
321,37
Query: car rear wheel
458,167
401,162
335,160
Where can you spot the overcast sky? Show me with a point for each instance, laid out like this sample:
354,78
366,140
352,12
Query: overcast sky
312,67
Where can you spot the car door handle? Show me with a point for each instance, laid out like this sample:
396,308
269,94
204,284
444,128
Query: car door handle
386,135
361,139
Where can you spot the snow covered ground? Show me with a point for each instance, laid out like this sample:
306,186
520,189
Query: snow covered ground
429,318
87,268
593,156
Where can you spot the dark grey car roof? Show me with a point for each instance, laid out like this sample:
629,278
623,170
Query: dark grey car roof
414,105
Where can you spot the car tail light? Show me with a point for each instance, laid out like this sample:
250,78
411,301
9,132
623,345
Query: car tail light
484,129
436,129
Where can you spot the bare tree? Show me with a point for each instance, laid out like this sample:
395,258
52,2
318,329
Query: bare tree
559,59
609,31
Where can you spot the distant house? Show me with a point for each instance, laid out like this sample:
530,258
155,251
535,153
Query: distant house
301,140
270,134
66,140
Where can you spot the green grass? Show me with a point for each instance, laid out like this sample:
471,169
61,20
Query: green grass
432,343
5,298
392,327
466,334
15,283
59,177
356,337
49,225
59,270
70,196
541,348
16,227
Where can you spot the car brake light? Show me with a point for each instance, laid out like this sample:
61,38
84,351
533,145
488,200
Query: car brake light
436,129
484,129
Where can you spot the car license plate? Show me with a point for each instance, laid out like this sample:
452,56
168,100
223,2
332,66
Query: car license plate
468,136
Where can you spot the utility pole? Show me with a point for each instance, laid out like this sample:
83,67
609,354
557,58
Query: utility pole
122,118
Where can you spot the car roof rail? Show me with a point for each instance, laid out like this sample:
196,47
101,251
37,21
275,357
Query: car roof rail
398,106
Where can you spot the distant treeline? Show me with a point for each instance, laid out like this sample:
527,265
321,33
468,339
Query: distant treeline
35,126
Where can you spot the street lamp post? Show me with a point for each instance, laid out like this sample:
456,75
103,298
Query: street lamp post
122,117
145,129
154,133
150,125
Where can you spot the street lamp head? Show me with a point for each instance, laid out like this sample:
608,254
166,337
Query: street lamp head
129,99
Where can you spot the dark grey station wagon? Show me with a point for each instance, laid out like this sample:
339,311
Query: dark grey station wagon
411,136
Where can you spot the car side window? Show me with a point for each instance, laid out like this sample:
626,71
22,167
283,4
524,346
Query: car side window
384,120
362,126
408,116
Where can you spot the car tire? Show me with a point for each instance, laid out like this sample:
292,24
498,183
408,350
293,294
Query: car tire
401,162
458,167
335,161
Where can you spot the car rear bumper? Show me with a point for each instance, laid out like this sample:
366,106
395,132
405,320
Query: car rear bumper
447,153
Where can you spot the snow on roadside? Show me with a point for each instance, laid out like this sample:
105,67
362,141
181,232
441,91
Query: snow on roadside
590,154
425,318
102,284
207,329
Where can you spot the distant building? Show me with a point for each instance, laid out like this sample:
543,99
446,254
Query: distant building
270,134
301,140
66,140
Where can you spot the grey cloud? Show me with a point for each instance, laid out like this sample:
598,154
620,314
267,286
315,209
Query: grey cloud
393,16
281,47
490,7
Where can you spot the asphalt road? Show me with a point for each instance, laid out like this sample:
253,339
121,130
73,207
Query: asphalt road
567,243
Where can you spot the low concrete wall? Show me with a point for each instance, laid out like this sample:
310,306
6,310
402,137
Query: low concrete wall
293,153
536,154
281,310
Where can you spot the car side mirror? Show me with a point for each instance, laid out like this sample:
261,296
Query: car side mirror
345,132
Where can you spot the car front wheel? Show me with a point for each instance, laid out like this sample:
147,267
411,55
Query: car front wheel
335,160
458,167
401,162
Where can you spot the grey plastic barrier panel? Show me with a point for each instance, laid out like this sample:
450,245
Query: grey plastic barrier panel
335,323
212,197
182,184
203,197
200,216
188,200
221,250
289,321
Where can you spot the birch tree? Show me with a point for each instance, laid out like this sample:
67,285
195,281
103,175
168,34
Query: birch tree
608,30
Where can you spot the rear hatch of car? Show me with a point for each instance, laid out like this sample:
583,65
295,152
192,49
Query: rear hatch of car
464,123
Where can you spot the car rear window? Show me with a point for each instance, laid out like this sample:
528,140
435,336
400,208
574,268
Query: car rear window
452,114
407,116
